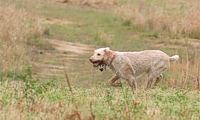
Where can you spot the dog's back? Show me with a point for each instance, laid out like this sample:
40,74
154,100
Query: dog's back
142,61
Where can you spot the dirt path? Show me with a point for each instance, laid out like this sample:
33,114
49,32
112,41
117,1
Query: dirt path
56,21
71,47
49,63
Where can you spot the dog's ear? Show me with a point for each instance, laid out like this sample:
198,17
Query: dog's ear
108,54
106,49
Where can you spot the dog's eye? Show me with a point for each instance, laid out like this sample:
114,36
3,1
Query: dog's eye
98,54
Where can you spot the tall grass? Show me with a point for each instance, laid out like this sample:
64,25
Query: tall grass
17,29
49,101
177,18
184,73
165,18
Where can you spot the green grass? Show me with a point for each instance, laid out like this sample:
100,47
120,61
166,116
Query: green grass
24,97
88,28
89,25
33,100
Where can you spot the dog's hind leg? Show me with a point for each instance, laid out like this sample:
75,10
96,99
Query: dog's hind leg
158,79
156,72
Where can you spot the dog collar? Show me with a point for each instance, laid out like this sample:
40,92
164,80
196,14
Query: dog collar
114,55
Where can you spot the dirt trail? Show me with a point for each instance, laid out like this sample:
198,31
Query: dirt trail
72,47
55,21
48,63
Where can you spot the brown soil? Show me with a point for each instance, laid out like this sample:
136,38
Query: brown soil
48,63
56,21
71,47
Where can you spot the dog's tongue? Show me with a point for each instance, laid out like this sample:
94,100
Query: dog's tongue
95,64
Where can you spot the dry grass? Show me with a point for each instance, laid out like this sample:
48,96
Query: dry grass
17,29
184,73
178,18
175,17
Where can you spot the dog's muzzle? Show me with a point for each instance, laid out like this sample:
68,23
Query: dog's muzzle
96,63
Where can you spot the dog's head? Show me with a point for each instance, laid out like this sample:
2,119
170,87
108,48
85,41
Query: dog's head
101,56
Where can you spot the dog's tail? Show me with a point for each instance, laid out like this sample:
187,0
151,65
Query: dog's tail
173,58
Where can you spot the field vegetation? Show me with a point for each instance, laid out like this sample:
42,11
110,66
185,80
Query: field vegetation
45,43
17,30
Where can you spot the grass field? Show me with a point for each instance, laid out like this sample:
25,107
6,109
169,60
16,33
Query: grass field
38,37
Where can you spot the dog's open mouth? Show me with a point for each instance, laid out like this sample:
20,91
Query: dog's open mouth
97,63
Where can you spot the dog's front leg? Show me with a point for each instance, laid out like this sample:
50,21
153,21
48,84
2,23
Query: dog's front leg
112,80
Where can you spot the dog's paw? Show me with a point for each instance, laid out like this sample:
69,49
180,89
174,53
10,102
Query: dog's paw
116,84
153,87
109,82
